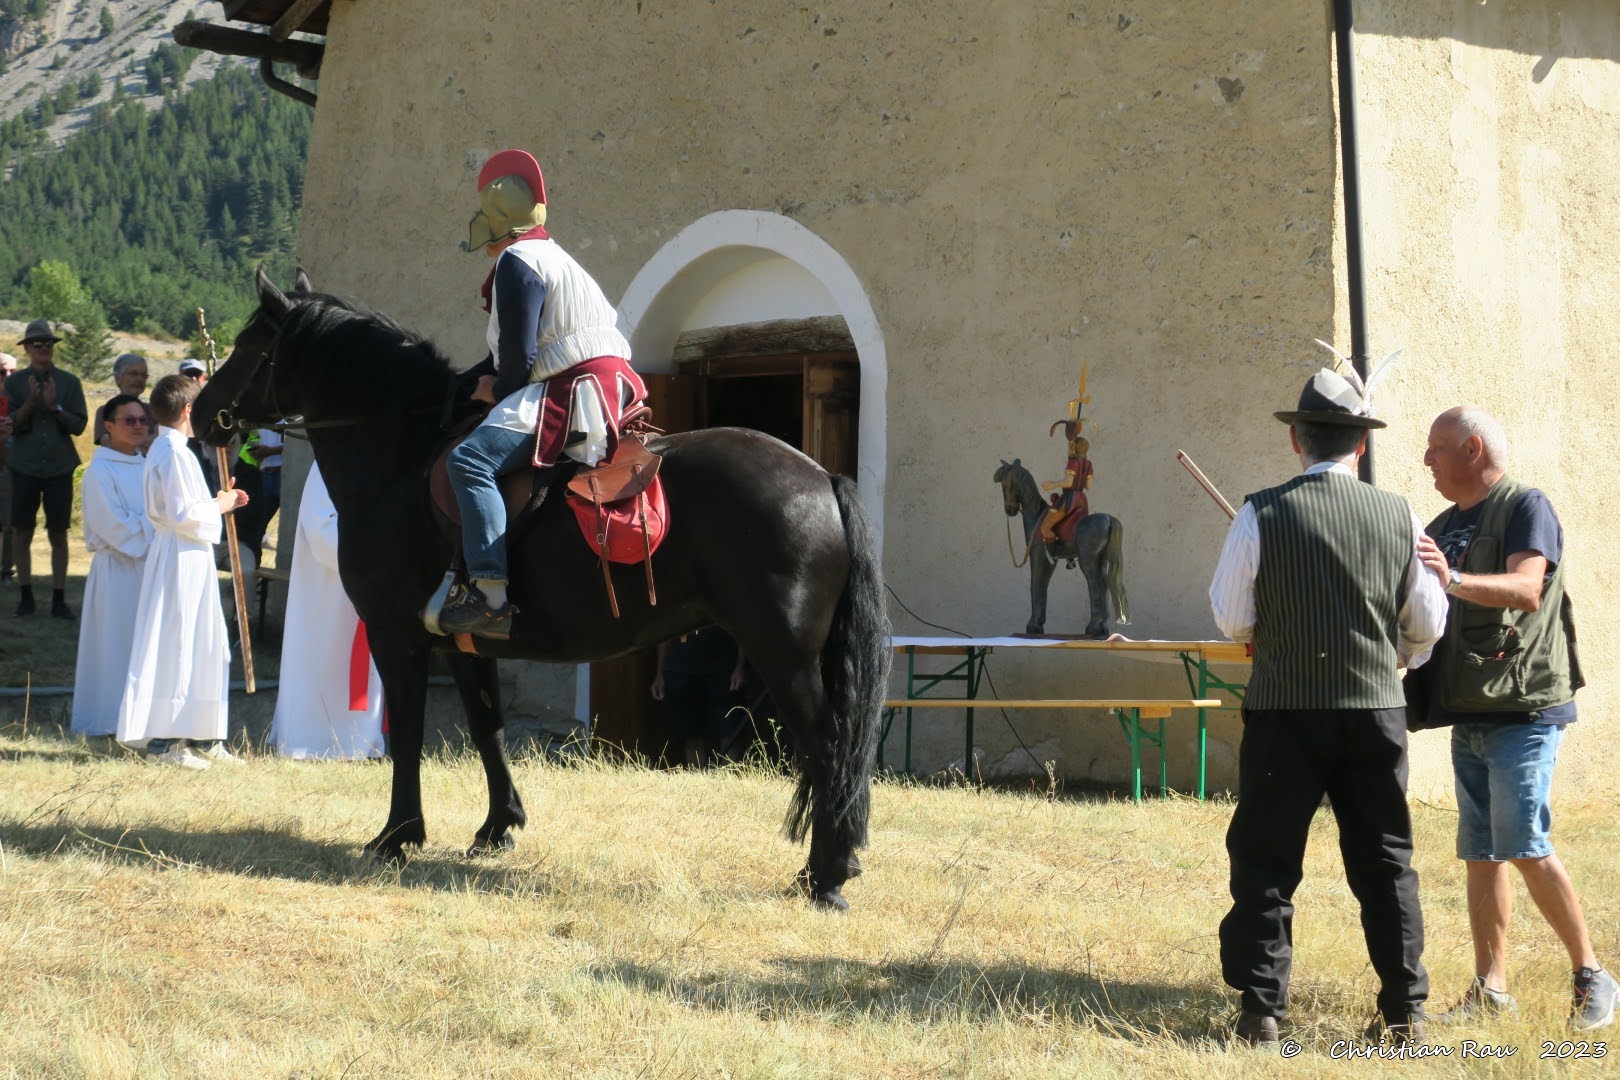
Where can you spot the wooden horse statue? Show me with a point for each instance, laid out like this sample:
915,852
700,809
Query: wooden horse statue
1098,547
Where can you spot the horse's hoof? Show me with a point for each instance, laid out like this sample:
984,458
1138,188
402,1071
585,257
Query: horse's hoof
854,865
482,846
830,900
388,857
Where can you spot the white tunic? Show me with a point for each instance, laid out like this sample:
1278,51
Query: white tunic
179,664
117,532
330,704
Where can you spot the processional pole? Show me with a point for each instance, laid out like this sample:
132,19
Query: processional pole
239,587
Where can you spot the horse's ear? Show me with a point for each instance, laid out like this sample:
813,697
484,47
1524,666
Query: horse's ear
1018,463
1004,463
270,297
301,282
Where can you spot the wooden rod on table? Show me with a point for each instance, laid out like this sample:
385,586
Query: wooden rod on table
1203,481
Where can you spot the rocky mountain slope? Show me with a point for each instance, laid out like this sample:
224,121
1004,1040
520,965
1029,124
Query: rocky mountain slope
67,45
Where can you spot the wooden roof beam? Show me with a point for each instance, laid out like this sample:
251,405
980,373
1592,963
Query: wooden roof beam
293,18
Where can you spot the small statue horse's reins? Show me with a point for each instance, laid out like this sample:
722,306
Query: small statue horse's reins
1029,547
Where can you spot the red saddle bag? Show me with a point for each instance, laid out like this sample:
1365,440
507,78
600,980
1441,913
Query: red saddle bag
621,510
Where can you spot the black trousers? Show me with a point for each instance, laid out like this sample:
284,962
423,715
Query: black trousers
1288,761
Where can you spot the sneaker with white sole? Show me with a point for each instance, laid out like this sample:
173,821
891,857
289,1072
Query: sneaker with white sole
1595,993
182,756
218,751
1480,1003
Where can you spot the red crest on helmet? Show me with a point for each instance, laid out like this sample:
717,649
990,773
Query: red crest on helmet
519,163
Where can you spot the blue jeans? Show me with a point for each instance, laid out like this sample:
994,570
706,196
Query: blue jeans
489,452
1504,783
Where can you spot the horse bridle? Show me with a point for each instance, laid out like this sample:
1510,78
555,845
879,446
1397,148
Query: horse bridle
227,420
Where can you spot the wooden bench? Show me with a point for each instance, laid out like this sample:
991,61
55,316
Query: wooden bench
1129,711
263,577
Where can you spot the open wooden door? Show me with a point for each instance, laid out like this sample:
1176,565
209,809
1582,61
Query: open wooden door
623,712
798,380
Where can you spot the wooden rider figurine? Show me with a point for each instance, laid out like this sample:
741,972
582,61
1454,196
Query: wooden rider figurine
1069,496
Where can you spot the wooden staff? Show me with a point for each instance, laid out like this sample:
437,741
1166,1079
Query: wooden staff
1203,481
237,584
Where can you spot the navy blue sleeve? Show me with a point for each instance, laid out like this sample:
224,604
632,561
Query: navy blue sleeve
519,296
1534,527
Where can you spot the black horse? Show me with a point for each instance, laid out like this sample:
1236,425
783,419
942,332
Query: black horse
761,541
1098,546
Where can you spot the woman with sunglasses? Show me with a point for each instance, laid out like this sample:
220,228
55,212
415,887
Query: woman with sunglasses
117,532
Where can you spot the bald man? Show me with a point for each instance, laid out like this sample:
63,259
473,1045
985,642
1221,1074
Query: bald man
1504,677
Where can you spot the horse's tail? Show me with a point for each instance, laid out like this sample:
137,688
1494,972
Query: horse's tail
854,676
1116,570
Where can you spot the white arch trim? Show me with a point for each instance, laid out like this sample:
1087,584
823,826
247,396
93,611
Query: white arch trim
671,282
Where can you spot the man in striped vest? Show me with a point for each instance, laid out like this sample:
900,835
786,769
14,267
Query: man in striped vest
1324,575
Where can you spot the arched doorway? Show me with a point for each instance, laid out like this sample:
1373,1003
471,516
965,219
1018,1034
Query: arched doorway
748,318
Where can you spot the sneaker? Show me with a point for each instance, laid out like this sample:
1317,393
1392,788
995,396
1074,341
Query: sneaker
218,751
1408,1032
1595,991
470,613
1256,1030
182,756
1479,1003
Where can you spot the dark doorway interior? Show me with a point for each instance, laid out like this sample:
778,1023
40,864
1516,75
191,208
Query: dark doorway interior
798,381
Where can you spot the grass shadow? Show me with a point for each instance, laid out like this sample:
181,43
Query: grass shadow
930,992
263,853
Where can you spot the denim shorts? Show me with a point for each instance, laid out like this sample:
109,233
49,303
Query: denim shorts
1504,785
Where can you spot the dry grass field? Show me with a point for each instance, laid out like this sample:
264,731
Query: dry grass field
160,924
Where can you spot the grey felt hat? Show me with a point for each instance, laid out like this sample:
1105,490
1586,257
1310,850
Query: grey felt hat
1329,398
38,330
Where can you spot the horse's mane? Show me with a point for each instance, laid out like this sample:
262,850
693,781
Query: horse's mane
359,354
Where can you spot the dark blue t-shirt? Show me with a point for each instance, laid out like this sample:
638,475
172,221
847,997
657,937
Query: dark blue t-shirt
1532,527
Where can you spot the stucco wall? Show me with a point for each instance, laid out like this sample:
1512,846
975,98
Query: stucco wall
1489,136
1016,186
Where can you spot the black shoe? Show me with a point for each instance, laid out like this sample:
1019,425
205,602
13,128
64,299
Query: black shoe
1256,1030
60,610
1407,1032
25,606
470,613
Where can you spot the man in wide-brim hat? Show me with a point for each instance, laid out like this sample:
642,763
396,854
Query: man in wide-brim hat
47,408
1323,574
550,326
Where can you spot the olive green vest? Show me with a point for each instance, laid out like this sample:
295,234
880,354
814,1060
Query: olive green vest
1334,556
1500,659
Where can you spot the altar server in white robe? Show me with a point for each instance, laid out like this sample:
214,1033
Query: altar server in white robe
330,702
117,532
179,666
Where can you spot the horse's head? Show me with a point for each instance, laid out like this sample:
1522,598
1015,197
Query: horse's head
1007,477
243,391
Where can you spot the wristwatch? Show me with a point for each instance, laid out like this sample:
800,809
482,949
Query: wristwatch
1453,581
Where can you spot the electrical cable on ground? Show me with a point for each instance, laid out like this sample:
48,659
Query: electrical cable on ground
986,668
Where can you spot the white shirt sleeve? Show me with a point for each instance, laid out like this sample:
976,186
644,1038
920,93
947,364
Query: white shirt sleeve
1231,593
1422,617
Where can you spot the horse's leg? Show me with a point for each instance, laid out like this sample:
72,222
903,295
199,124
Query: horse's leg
481,698
402,666
1041,565
1091,561
802,703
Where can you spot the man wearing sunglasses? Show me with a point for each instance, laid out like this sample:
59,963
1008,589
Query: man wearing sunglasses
117,531
47,409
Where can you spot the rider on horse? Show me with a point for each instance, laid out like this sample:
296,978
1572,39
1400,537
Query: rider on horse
549,324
